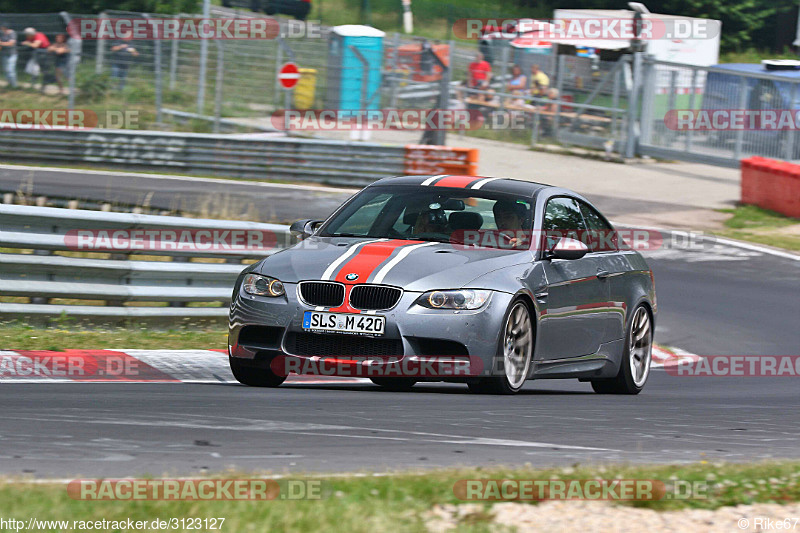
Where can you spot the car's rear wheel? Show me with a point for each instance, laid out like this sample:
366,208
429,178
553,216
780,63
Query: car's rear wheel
515,352
395,384
635,366
254,376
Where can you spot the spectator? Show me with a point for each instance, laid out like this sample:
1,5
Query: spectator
518,81
480,73
8,54
539,81
61,53
38,43
122,55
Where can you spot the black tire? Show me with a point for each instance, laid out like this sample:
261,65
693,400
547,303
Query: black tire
623,382
500,384
394,384
254,376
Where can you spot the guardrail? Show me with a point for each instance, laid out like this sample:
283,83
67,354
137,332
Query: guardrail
328,161
41,271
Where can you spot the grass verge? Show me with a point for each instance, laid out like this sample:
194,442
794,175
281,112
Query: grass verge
400,501
65,336
753,224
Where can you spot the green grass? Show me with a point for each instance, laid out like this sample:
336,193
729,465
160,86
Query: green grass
65,335
751,223
400,502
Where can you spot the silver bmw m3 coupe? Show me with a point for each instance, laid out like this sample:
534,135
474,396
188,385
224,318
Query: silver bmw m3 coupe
416,275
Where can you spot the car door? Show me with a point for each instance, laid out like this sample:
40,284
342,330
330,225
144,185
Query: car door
572,315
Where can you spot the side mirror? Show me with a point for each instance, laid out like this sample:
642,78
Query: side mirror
304,228
569,249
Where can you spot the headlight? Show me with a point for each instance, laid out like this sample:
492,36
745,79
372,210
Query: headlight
262,285
454,299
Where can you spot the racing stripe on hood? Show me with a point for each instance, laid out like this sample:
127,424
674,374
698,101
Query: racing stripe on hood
368,259
342,258
379,277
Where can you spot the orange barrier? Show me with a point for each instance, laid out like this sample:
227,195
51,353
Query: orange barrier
773,185
424,159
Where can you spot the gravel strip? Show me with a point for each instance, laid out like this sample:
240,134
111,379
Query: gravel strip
580,517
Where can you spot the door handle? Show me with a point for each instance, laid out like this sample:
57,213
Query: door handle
541,295
603,274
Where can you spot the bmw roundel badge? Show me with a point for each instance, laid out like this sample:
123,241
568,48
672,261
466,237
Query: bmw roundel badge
351,277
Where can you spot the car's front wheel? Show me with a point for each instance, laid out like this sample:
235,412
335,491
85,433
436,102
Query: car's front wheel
635,366
254,376
514,354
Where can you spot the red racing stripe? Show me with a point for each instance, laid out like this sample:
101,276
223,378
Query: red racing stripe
364,263
459,182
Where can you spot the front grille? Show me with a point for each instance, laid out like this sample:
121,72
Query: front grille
323,345
322,293
374,297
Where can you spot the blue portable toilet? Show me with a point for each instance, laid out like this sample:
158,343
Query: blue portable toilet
355,57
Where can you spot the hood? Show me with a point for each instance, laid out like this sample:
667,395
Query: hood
413,265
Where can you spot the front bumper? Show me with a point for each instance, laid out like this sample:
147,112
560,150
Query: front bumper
418,333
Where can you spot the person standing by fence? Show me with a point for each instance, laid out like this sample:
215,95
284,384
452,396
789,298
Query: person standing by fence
123,54
38,43
8,54
60,52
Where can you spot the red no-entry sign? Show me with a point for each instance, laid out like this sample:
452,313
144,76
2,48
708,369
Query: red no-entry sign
289,75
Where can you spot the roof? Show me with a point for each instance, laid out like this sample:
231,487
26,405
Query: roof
757,68
357,30
484,183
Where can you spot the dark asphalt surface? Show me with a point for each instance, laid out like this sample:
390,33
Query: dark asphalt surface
64,430
712,301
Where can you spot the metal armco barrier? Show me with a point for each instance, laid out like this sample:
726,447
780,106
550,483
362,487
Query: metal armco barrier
115,279
771,184
328,161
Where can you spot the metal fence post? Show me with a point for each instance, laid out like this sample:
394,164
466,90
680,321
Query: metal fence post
615,103
440,136
101,49
158,74
173,62
788,149
201,78
219,82
692,98
737,148
562,70
648,84
633,105
393,69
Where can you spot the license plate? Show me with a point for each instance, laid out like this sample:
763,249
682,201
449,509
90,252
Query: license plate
344,323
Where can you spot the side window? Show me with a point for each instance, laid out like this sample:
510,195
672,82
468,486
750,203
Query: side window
600,236
562,218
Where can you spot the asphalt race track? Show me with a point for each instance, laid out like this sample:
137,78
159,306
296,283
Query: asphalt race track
720,299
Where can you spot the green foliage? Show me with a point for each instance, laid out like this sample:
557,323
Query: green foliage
96,6
92,88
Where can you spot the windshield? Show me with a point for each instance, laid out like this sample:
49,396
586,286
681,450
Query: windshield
429,214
